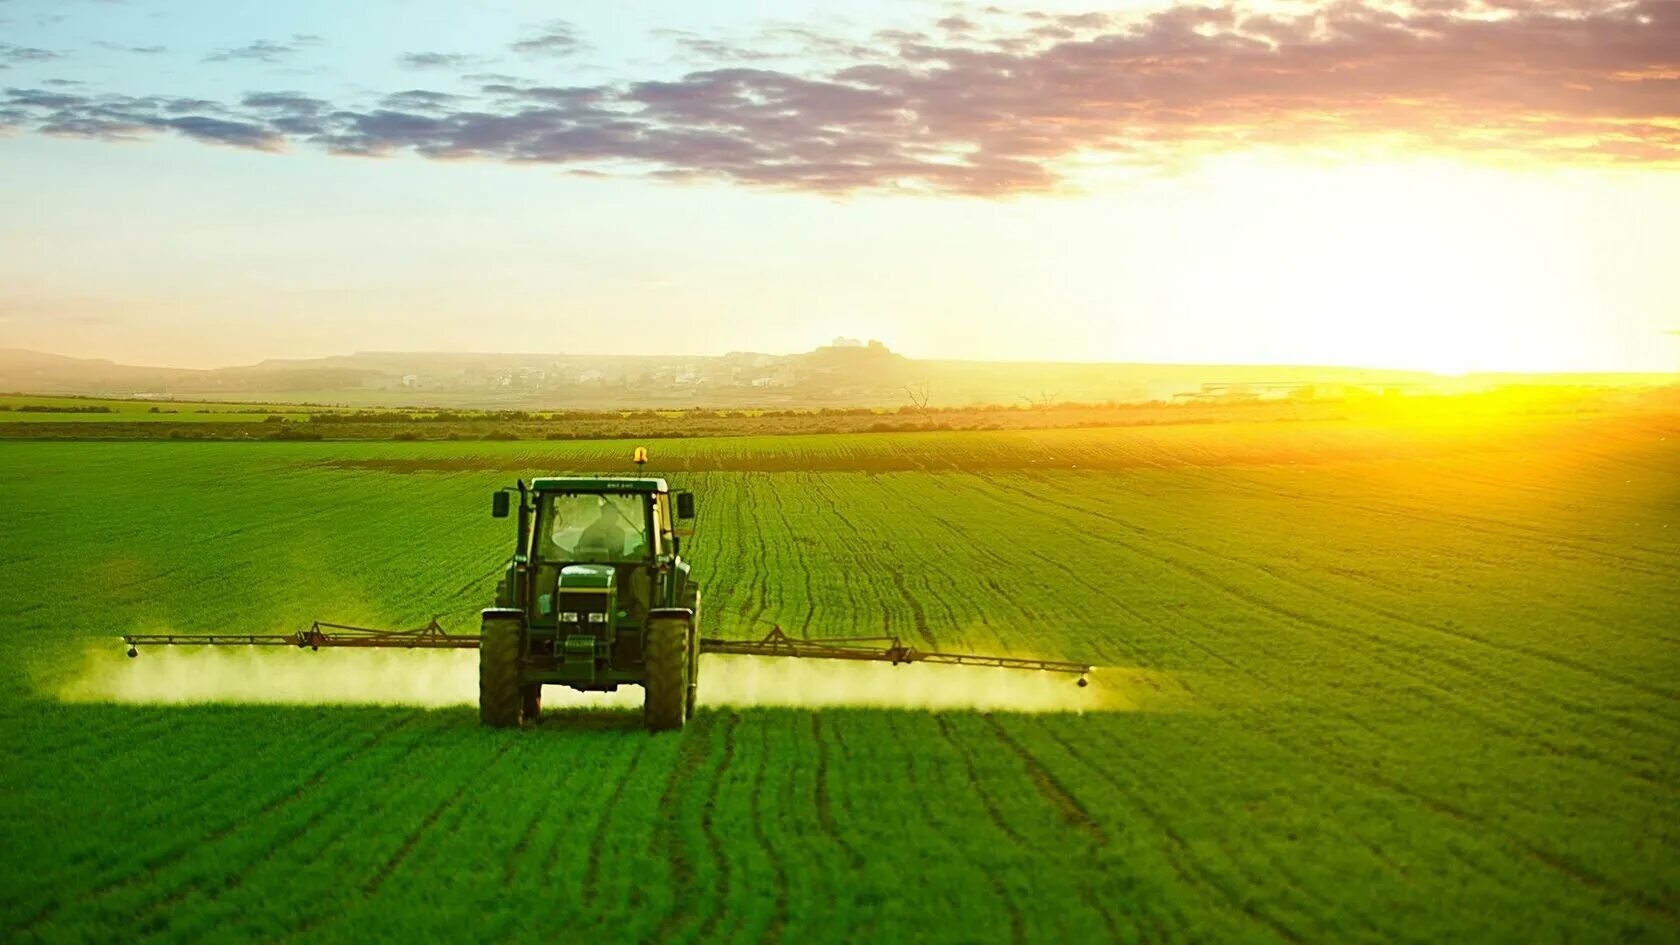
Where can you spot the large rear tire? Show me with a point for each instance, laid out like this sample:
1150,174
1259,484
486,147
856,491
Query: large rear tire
665,685
691,600
499,698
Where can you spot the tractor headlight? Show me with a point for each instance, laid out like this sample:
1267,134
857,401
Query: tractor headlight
568,616
596,617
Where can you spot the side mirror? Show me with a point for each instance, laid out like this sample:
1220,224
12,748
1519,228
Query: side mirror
685,505
499,505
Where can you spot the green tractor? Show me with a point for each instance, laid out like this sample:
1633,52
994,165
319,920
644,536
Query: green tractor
596,596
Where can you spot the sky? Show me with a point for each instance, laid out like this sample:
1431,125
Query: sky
1448,185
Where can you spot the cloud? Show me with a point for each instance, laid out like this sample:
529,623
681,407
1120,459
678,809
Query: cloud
437,60
260,51
238,134
706,47
138,50
120,117
13,54
264,50
421,100
1010,101
557,38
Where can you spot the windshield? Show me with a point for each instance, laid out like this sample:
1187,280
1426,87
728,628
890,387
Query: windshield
595,528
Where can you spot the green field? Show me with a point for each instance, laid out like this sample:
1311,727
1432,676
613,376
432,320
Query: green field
1377,682
28,408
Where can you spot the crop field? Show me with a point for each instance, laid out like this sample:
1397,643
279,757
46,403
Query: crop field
1362,682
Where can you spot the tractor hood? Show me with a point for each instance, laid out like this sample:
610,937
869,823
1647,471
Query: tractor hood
587,577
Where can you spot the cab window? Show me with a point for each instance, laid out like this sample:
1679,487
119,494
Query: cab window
595,528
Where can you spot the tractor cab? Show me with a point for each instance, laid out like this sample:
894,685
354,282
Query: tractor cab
602,551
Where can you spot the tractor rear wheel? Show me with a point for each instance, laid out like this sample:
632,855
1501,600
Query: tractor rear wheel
530,699
665,684
691,600
499,698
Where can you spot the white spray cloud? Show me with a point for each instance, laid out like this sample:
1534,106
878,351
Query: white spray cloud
435,678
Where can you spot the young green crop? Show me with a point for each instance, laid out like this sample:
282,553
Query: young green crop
1398,683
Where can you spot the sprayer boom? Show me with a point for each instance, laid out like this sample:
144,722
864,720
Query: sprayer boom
430,637
877,649
775,643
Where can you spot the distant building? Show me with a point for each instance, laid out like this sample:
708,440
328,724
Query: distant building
840,341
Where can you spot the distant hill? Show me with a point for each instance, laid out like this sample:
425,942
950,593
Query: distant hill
842,375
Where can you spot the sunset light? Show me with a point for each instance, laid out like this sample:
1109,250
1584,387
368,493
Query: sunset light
962,472
1445,187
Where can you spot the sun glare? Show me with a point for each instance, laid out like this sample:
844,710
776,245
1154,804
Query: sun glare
1423,264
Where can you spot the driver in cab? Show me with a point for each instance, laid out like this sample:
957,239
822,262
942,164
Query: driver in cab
608,532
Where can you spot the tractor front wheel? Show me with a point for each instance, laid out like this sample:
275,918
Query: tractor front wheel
499,699
665,685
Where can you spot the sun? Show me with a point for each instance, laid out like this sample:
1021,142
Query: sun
1422,264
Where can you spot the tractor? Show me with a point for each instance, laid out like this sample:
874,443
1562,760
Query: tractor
596,596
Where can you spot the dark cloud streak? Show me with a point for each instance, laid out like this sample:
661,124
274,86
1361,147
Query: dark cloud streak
265,50
556,39
437,60
14,54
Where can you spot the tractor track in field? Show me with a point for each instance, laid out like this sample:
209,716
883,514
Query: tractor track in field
374,883
847,576
825,815
1121,604
753,603
1258,602
1595,673
155,915
149,869
377,880
598,837
1274,867
1476,826
992,811
1646,903
100,742
1499,529
867,563
773,929
1159,538
918,615
662,843
1552,490
1001,595
800,564
1508,535
929,815
1184,861
510,868
1072,810
714,846
762,572
692,758
232,881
